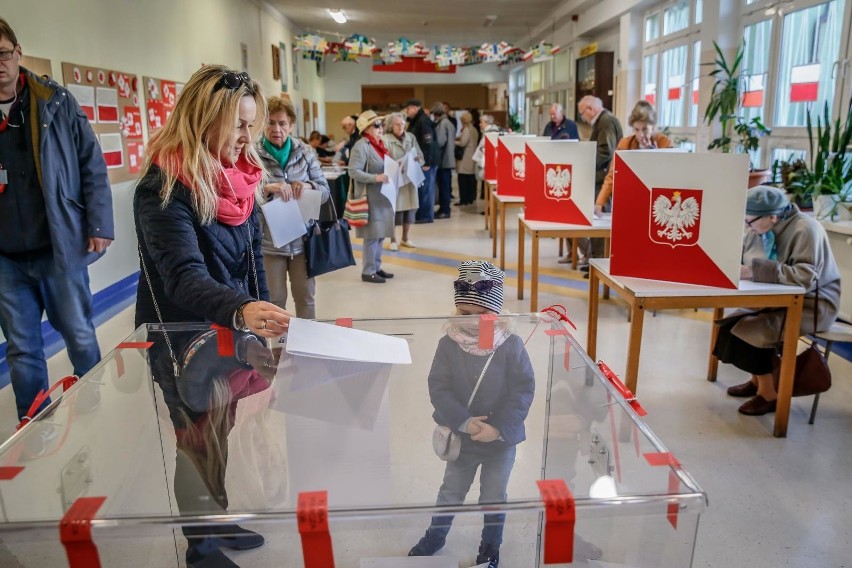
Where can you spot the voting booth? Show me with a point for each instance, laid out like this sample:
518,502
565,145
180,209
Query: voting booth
490,149
679,216
323,445
511,164
560,181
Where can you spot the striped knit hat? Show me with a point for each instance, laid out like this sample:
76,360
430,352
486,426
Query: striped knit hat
480,283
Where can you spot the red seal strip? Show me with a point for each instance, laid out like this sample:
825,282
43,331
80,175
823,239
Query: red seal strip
486,331
75,532
559,518
343,322
312,514
224,340
659,459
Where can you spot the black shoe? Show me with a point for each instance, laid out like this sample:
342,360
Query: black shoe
490,554
373,278
459,204
238,538
421,221
205,554
428,545
442,216
384,274
583,268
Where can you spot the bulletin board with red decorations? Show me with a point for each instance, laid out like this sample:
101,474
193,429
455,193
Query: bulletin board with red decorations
160,99
110,99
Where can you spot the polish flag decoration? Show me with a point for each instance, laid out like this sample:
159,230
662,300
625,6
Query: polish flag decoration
490,149
560,181
675,87
651,93
695,91
804,83
754,89
511,164
677,216
113,150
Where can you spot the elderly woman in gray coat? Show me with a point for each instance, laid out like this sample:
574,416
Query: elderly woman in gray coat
366,169
293,168
399,143
781,246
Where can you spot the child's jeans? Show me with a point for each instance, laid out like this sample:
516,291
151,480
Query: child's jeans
496,467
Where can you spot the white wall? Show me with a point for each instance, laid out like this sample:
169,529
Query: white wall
168,39
343,81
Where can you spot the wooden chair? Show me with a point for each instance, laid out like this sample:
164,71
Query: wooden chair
840,331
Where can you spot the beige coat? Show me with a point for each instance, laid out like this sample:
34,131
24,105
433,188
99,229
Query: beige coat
469,139
407,198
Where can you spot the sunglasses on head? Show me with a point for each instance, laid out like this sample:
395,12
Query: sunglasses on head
233,81
480,286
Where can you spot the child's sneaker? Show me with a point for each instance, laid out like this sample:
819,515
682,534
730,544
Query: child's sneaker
428,545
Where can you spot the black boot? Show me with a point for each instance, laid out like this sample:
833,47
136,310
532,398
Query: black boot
428,545
488,553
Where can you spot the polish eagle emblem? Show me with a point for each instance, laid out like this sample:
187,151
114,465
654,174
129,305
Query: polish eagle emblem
557,181
676,219
519,166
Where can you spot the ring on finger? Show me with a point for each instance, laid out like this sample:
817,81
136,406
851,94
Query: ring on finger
263,325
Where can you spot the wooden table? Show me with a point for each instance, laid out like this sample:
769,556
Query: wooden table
642,294
600,228
490,185
501,203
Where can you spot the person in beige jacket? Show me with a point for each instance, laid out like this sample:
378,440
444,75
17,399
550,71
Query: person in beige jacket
466,167
399,143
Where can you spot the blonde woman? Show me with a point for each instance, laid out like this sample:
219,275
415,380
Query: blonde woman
466,167
399,143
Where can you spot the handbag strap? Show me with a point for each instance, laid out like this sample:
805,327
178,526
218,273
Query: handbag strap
479,381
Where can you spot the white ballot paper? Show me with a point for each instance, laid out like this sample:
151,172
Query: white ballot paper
329,341
413,172
391,188
309,204
284,219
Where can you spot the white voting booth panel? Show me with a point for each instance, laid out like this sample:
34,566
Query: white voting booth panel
560,181
326,451
679,217
511,164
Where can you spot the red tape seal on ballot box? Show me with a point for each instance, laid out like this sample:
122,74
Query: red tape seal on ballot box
312,513
667,459
559,518
75,532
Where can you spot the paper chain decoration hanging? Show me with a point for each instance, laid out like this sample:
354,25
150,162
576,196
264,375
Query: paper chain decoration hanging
315,47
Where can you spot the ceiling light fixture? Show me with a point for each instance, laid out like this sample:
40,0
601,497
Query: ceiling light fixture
338,16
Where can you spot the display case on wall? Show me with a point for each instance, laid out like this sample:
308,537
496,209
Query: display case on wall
154,460
595,77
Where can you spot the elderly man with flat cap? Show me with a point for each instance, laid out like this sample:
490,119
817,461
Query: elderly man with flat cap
781,246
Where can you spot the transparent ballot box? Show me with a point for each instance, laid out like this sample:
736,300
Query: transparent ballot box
197,446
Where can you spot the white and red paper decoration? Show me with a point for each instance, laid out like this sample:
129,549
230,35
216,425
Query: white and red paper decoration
753,91
804,83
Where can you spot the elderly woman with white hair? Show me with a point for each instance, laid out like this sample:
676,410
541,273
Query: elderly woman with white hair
399,143
781,246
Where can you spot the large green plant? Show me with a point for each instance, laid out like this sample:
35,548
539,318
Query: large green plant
829,170
725,105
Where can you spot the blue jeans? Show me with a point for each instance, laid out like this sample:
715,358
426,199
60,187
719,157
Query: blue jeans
371,256
493,479
29,287
426,196
445,189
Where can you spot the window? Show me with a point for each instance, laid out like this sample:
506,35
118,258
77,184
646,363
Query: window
755,65
686,144
696,73
673,91
810,44
676,18
787,155
652,27
517,92
649,78
699,11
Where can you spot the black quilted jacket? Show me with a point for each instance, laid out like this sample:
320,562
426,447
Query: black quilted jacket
198,272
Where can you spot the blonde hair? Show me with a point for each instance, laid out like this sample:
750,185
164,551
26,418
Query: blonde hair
278,104
205,114
465,117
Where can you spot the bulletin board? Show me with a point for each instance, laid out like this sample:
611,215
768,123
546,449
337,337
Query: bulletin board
37,65
110,99
160,99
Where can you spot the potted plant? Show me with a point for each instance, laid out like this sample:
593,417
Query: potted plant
737,134
827,178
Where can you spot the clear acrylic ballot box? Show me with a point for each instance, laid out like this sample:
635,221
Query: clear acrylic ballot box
192,445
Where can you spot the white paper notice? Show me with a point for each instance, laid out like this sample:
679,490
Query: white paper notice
391,188
284,219
413,171
309,204
316,339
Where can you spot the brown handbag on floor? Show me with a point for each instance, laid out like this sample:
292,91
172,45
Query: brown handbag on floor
811,375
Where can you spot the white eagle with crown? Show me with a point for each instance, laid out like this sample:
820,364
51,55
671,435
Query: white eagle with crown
558,181
519,166
675,216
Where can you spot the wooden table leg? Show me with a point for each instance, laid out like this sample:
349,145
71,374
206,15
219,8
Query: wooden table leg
493,228
606,254
592,339
574,254
561,242
521,260
713,364
788,366
487,198
634,344
534,276
503,237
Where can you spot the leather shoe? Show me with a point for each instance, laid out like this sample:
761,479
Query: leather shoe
757,406
384,274
583,268
566,260
422,221
373,278
442,215
747,389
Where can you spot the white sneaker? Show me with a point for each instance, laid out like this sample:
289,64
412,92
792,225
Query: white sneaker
394,246
409,244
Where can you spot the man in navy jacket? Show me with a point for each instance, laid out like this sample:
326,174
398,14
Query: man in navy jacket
56,211
559,127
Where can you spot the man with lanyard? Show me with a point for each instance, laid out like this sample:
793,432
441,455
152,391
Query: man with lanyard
559,127
56,211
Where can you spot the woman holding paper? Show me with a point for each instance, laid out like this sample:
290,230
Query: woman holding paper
293,168
399,143
643,120
466,167
367,171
